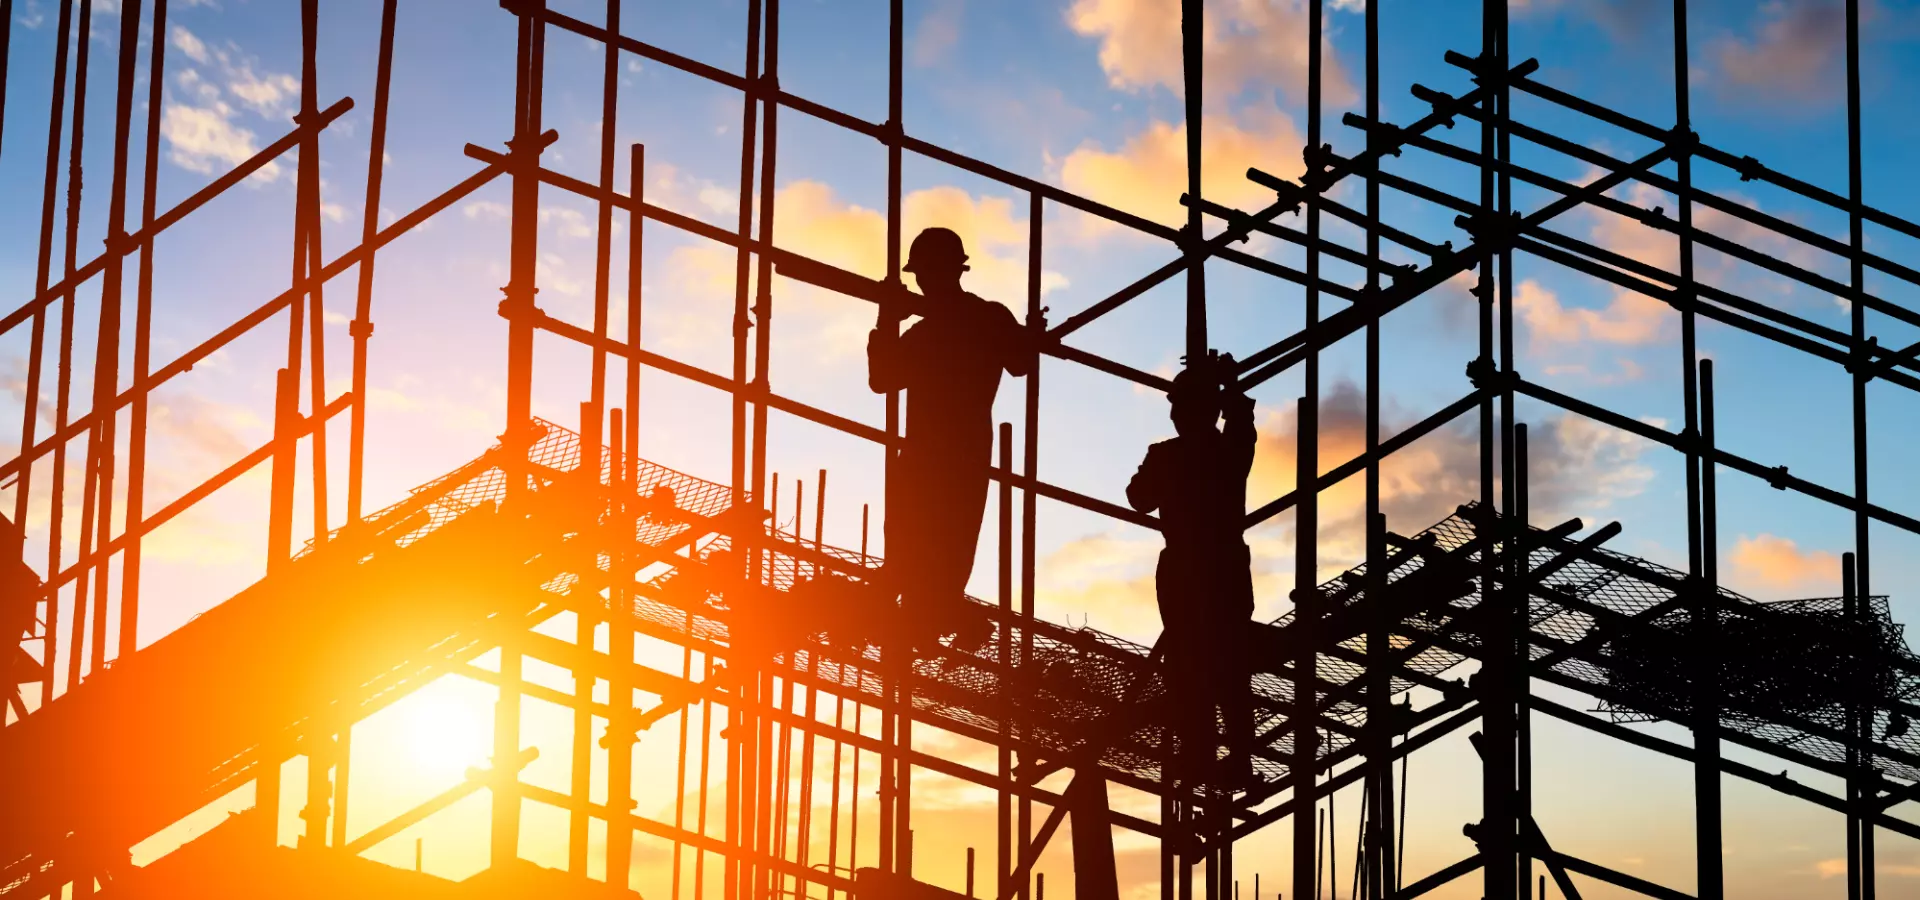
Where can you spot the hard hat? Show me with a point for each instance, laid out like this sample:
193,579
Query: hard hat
936,246
1196,383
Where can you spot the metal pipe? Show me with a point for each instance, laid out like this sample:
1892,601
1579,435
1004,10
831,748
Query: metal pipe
56,531
361,328
1862,872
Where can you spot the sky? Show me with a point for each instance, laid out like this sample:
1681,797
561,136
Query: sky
1085,95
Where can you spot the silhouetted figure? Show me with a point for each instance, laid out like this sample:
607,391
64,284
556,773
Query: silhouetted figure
949,364
1204,583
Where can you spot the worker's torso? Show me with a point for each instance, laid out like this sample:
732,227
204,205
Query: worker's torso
956,358
1204,495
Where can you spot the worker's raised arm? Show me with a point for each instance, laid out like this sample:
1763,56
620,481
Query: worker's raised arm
1237,409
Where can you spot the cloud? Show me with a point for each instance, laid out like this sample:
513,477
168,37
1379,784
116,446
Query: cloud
1794,52
199,136
269,95
1770,562
184,41
1624,369
1147,175
486,209
1576,467
203,125
937,33
562,220
567,221
1245,44
672,188
1837,866
1106,577
207,427
1630,318
1623,19
1637,241
31,16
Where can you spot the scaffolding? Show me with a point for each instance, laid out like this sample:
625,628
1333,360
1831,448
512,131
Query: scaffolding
97,752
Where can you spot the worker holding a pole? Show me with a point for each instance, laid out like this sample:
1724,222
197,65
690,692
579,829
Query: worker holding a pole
1197,481
949,364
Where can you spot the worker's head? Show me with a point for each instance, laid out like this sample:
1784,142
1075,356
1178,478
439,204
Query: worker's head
936,260
1195,400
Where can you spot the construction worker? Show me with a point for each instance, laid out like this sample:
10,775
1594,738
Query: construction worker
1198,482
949,365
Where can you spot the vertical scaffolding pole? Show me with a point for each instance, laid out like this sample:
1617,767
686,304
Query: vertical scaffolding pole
1379,839
1514,758
1003,798
106,369
1712,878
23,487
56,529
738,772
1862,876
1192,56
833,796
287,411
1498,827
523,252
742,314
591,417
323,749
1217,801
603,232
142,344
1703,550
518,307
1857,875
315,261
893,727
636,245
361,328
1305,765
804,826
1305,712
625,472
1029,500
767,91
620,736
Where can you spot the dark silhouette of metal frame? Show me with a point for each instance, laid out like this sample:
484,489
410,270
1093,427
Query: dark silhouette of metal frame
1509,600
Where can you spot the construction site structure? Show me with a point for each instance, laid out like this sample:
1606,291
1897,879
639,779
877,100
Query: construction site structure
106,745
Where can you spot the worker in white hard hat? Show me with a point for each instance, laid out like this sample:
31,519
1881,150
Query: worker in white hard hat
949,364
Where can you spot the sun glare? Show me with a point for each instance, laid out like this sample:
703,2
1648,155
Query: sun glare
446,728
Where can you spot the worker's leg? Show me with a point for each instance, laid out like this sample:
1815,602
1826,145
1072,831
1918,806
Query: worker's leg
1188,664
954,538
911,551
1236,692
1237,624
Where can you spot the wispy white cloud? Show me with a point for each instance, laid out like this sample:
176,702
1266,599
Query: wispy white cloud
199,136
179,38
211,97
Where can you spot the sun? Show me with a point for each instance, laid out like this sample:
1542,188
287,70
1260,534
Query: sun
445,728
